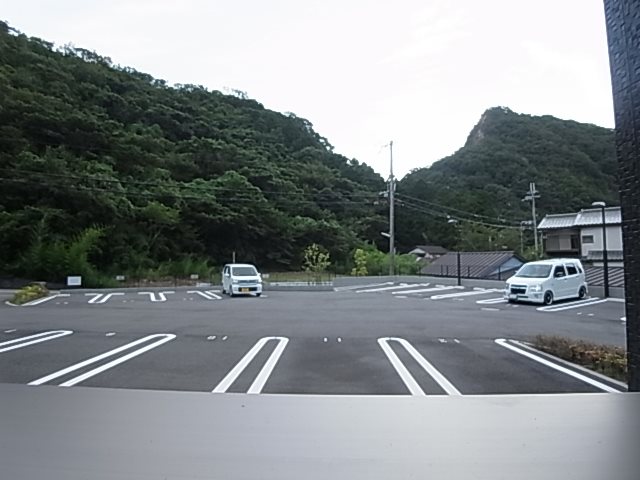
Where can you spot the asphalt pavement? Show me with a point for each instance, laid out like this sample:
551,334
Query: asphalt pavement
371,339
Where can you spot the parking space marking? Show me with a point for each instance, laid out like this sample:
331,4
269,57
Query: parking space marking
38,301
102,297
504,343
160,298
491,301
393,287
33,339
464,294
205,295
261,379
162,338
358,287
424,290
404,373
212,293
568,306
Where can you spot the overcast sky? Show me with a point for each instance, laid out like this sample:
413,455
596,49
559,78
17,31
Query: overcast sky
418,72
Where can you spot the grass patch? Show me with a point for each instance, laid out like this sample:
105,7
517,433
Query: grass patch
606,359
29,293
299,277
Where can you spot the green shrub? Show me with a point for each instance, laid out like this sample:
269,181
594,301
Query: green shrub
606,359
28,293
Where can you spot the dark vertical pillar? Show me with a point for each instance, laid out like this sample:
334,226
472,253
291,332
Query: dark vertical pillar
623,32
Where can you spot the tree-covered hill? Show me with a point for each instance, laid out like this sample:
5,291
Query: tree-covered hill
483,183
161,173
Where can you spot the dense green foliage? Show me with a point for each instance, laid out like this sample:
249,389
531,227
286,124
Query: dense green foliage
166,173
572,164
29,293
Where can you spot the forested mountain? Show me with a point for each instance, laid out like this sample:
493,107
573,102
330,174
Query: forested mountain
133,172
483,183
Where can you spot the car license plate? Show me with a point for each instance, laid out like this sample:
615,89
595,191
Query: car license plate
244,290
513,296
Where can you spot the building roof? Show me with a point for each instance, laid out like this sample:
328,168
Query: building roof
584,218
431,249
473,264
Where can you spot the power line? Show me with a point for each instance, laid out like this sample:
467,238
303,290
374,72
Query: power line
204,188
440,214
444,207
221,200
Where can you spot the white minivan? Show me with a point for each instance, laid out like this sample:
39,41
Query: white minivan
545,281
241,279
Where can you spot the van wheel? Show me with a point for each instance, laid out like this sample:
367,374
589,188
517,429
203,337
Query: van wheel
224,292
548,298
582,292
258,294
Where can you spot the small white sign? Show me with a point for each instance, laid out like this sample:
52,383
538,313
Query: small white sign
74,281
194,276
120,278
265,275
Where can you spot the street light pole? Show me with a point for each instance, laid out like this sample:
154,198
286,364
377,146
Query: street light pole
605,254
531,196
455,223
392,232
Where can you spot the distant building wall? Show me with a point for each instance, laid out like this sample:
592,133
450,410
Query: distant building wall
614,239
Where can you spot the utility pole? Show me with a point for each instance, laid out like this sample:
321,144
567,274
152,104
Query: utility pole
392,233
531,196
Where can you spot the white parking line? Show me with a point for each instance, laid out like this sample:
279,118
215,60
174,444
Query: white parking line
568,306
261,379
394,287
464,294
357,287
212,293
163,338
38,301
39,337
206,295
424,290
491,301
503,343
406,377
101,297
160,298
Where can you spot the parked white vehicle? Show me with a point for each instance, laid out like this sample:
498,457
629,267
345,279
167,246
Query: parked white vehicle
545,281
241,279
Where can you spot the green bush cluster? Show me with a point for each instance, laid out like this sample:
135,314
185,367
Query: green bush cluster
28,293
371,261
606,359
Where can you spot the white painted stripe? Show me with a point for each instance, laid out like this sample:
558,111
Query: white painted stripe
235,372
38,301
463,294
424,290
490,309
11,330
202,294
569,306
405,375
263,376
423,362
96,297
618,300
357,287
97,358
107,296
166,337
160,298
395,287
213,294
503,343
39,337
491,301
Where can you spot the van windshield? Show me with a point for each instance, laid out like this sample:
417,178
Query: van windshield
243,272
534,271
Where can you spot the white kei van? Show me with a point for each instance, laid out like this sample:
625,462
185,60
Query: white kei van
241,278
545,281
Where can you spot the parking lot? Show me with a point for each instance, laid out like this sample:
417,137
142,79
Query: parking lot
372,339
